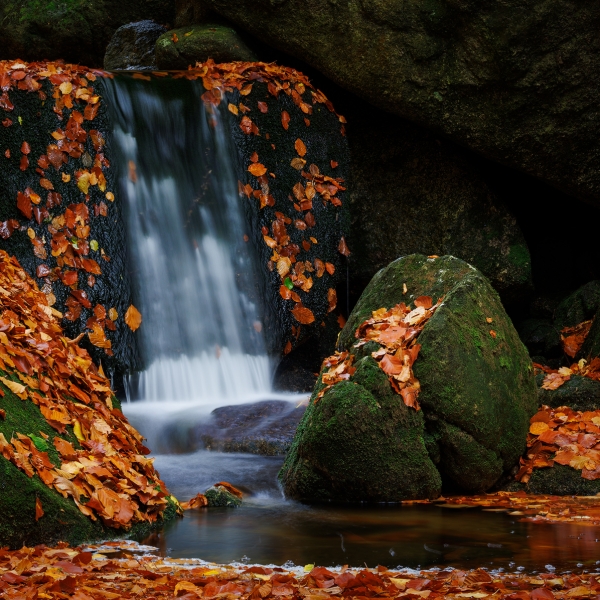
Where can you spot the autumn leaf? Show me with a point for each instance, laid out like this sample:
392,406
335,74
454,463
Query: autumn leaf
331,299
298,163
285,119
262,106
303,315
133,318
257,169
17,388
343,247
300,147
39,511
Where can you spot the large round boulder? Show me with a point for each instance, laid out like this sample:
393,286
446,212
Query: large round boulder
517,80
359,441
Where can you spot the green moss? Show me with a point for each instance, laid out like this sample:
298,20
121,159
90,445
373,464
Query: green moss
519,256
561,480
353,445
62,520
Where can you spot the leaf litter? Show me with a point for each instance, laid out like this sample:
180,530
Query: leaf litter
125,569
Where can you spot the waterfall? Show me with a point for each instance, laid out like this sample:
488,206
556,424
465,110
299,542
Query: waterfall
194,275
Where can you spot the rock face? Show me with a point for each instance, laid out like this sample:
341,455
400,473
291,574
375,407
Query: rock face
70,234
414,193
579,393
132,47
516,81
360,442
74,31
180,48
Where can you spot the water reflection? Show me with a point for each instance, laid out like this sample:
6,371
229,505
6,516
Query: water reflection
268,529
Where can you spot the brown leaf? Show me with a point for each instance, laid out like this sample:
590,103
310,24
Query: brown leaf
303,315
285,119
343,247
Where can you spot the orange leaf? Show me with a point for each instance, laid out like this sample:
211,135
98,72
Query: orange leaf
424,301
133,318
257,169
39,511
303,315
262,106
285,119
300,147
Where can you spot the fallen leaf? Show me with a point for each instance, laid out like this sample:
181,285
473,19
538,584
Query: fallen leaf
133,318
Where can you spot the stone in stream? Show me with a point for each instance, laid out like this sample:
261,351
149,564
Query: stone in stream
265,427
132,47
219,496
361,442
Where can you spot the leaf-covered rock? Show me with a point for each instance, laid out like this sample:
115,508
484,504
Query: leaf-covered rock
477,395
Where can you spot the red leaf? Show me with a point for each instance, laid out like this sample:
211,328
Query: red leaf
285,119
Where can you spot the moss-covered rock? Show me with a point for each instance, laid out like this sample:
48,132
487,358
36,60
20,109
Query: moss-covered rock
477,395
218,496
559,480
579,393
180,48
76,31
579,306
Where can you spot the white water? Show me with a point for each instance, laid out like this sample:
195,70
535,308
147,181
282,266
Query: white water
200,337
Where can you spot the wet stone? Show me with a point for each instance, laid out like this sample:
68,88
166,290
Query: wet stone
265,428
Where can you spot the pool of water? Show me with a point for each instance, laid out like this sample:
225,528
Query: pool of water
268,529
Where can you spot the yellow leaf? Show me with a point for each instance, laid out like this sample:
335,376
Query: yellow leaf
66,87
77,431
17,388
538,428
308,568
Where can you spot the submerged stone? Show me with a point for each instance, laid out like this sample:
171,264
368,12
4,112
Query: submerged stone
218,496
360,442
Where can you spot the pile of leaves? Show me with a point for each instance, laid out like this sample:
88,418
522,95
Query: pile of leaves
531,508
572,338
108,476
396,330
60,236
87,574
563,436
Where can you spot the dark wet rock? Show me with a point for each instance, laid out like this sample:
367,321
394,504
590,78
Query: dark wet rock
265,428
559,480
360,442
34,120
541,337
132,46
579,393
516,81
77,32
179,48
579,306
190,12
413,192
218,496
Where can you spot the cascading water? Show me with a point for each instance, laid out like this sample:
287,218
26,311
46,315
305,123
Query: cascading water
201,335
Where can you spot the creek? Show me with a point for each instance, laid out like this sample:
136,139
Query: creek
202,343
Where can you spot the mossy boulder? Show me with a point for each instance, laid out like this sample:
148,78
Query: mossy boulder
477,395
579,306
180,48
